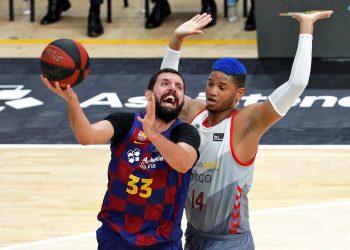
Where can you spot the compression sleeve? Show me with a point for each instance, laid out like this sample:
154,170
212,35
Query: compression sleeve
284,96
171,59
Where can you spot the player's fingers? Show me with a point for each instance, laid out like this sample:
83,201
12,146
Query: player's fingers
201,17
46,81
140,119
58,88
153,106
148,108
195,17
198,32
327,14
206,20
69,89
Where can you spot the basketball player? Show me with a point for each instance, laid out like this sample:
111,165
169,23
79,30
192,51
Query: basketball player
152,154
217,202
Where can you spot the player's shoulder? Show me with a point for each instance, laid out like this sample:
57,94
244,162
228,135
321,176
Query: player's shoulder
247,110
184,129
184,126
195,107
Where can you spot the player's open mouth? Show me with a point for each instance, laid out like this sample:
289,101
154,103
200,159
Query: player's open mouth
211,101
169,100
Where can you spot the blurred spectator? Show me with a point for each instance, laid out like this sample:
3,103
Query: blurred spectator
209,7
250,22
161,10
56,7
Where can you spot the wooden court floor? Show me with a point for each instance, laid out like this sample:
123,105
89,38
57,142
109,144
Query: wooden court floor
50,196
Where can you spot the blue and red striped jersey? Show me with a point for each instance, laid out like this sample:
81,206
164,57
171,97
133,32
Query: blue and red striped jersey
145,198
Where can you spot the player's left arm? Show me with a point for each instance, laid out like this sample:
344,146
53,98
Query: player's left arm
180,156
191,27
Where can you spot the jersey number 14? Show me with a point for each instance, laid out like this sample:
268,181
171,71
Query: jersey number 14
197,201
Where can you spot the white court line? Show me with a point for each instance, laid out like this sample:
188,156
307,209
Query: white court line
49,241
257,212
107,146
301,207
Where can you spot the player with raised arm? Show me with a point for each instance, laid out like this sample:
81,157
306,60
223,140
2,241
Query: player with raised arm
217,201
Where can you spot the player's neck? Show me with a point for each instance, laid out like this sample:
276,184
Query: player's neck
215,118
162,126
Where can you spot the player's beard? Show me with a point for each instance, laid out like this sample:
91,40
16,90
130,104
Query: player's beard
168,114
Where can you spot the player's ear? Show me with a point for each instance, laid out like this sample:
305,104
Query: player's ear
148,94
240,93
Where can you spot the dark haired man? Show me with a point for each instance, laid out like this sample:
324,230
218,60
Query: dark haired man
217,201
152,153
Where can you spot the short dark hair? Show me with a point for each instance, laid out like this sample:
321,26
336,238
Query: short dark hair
155,75
239,80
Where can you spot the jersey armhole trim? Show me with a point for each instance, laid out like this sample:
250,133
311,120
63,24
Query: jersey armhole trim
201,111
232,146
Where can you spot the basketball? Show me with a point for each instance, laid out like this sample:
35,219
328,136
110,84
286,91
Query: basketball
65,61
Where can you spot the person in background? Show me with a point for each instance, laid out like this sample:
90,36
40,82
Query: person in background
161,10
56,7
250,22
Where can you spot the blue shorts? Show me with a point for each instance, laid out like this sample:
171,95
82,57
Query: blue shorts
109,240
196,240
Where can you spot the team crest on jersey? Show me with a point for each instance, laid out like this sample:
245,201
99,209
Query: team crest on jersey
218,136
141,136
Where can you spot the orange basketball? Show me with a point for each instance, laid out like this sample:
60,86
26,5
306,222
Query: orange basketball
65,61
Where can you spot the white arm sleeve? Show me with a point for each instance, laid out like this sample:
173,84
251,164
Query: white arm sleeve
171,59
285,95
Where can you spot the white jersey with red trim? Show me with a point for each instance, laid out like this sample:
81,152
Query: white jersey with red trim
217,198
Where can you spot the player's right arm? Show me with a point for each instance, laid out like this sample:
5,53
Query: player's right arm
172,57
85,132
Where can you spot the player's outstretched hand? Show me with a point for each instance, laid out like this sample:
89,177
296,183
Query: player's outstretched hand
148,122
308,19
67,94
193,26
312,16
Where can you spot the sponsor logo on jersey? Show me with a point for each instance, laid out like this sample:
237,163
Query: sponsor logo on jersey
196,126
139,142
150,163
133,155
209,165
218,136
